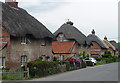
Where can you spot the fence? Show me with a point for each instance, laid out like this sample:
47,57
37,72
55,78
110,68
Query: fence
14,74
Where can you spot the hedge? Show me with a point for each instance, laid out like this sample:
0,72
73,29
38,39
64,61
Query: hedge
45,68
89,63
42,68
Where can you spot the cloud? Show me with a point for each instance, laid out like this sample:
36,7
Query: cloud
41,5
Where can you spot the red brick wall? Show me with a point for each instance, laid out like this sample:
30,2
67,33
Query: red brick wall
95,46
4,36
95,50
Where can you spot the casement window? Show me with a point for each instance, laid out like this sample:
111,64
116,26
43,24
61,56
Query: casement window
43,57
61,57
43,43
2,62
23,60
23,40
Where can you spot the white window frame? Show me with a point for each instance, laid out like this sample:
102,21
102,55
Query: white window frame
61,57
2,62
23,60
44,57
43,43
23,40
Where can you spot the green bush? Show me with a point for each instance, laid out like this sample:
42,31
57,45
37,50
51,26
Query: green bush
89,63
54,58
107,54
42,68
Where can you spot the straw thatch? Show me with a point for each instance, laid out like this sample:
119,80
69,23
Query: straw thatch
19,23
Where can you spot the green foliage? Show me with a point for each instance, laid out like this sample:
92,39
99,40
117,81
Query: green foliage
42,68
80,54
67,65
40,58
87,55
84,55
89,63
47,57
107,54
54,58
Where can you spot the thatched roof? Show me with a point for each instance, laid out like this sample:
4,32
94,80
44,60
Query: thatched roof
93,38
109,44
19,23
114,44
72,32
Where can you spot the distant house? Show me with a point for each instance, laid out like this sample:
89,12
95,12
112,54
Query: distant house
70,42
22,38
110,48
116,47
98,47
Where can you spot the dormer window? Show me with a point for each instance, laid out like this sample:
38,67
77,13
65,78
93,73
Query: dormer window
61,35
43,43
23,40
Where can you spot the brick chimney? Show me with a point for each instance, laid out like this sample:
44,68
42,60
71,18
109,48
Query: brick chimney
12,3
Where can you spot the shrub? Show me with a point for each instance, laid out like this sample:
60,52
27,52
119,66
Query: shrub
89,63
87,55
47,57
40,58
107,54
42,68
54,58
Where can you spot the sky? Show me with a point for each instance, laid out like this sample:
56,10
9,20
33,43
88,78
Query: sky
100,15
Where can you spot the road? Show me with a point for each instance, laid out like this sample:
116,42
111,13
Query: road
107,72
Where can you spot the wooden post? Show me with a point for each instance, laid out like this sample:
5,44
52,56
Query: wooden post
25,71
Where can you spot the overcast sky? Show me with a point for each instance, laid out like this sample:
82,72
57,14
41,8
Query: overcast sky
101,15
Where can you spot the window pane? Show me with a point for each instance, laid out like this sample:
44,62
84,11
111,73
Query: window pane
43,43
23,60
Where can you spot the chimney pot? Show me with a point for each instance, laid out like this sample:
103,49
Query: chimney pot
12,3
93,31
69,22
105,38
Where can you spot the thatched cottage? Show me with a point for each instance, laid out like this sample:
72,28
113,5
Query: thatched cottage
110,48
98,47
116,47
70,42
23,37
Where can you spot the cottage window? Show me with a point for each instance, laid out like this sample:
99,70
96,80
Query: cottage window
23,60
61,57
2,62
23,40
43,57
43,42
61,35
